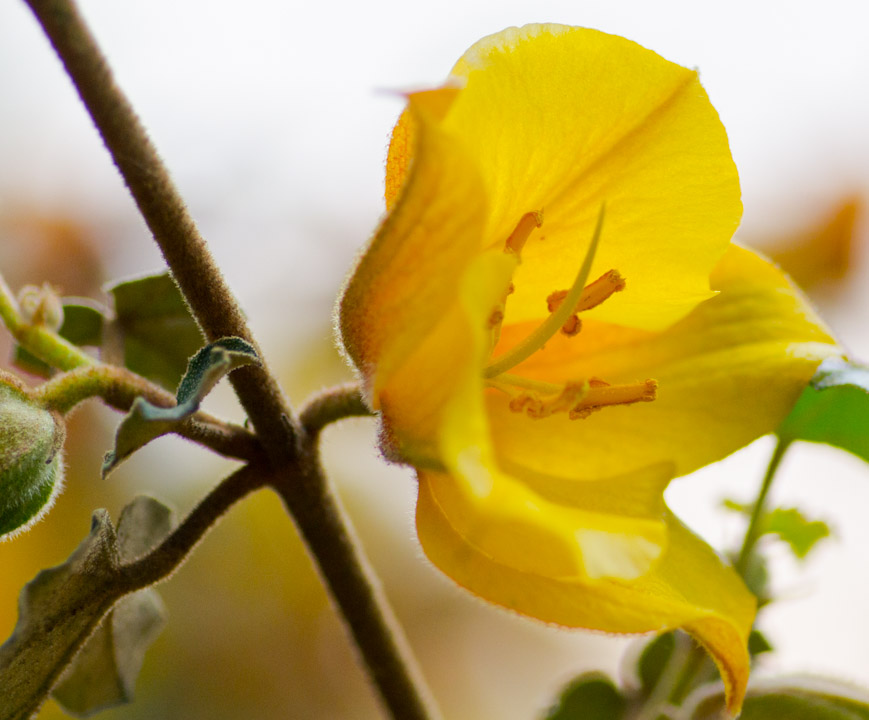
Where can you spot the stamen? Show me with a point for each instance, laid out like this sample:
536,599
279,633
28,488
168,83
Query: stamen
601,394
524,228
557,319
593,295
579,399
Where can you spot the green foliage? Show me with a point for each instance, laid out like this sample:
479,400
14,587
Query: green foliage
653,659
155,328
795,698
104,672
31,471
145,421
61,606
789,524
592,696
758,644
833,409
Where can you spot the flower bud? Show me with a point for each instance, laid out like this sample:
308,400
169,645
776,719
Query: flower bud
31,469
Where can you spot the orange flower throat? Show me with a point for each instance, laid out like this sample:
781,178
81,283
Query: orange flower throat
578,398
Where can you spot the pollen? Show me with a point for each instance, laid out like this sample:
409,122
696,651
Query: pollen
526,225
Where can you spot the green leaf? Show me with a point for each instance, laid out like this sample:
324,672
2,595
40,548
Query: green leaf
104,672
653,659
789,524
145,421
797,531
592,696
156,330
788,698
833,409
758,644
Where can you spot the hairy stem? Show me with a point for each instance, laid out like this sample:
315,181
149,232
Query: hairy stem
296,473
331,405
164,559
119,387
754,530
346,572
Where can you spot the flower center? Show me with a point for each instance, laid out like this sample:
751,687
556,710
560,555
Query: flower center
578,398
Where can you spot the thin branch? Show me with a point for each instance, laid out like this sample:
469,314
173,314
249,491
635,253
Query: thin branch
165,213
331,405
753,531
119,387
298,478
168,556
354,588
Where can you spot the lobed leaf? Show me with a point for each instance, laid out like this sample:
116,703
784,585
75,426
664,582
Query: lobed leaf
104,672
59,609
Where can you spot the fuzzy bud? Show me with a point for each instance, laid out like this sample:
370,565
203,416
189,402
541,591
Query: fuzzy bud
31,468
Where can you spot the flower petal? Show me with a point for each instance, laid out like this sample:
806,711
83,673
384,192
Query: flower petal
689,588
404,283
562,119
727,374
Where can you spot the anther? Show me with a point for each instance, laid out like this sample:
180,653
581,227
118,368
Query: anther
600,394
592,295
540,407
526,225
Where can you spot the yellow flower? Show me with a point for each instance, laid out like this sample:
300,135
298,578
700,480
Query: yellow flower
546,365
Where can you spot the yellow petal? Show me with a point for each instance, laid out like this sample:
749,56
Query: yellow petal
404,283
562,119
443,368
727,374
689,588
609,528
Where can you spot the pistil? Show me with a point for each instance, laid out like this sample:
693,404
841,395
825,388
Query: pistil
537,339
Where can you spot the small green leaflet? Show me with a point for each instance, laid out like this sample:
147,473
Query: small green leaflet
833,409
145,421
791,526
592,696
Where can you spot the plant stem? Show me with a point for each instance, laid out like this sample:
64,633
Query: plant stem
331,405
297,475
753,532
47,345
164,559
119,387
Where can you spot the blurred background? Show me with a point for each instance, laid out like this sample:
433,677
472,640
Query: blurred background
274,118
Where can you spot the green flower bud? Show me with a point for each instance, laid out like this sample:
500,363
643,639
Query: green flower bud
31,468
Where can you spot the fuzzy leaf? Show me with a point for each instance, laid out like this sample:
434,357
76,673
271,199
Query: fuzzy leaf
157,331
104,672
592,696
145,421
57,610
790,698
833,409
